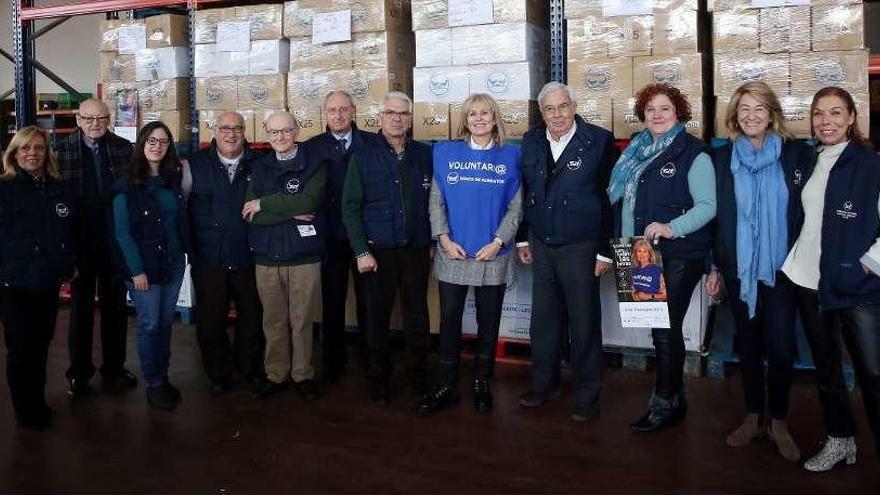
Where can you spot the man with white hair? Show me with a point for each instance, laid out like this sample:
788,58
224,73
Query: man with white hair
385,211
566,164
287,233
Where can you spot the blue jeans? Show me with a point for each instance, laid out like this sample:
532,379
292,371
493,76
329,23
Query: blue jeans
155,315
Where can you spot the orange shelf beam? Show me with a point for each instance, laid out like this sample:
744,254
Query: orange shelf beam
81,7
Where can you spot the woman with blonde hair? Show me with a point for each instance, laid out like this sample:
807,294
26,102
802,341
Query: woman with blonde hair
648,283
760,173
475,209
37,215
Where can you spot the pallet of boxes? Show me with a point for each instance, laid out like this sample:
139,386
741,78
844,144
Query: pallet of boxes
241,62
616,48
498,47
795,49
151,57
363,47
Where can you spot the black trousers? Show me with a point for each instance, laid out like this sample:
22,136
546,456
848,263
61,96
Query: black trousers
565,289
215,288
338,263
97,276
406,269
488,300
682,277
827,331
28,319
770,333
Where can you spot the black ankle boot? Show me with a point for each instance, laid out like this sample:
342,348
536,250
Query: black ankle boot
482,396
661,413
440,398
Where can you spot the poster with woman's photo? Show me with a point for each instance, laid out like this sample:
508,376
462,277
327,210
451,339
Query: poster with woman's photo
641,288
126,114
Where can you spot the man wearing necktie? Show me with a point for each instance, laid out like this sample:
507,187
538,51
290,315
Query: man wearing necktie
91,159
335,147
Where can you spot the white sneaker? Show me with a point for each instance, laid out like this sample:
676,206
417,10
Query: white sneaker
836,449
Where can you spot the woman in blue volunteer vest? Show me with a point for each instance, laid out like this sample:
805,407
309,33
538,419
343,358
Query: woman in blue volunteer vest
663,187
760,173
647,277
152,232
36,254
475,208
834,267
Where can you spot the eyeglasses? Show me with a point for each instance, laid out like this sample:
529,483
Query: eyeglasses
339,111
554,109
226,129
154,141
391,114
37,148
286,132
91,119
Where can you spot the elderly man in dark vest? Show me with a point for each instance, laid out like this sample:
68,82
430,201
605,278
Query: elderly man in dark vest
222,264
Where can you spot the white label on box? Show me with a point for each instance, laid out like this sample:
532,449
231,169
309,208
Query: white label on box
470,12
614,8
307,230
233,36
760,4
331,27
132,39
129,133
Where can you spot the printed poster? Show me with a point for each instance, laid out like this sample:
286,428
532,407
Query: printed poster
641,286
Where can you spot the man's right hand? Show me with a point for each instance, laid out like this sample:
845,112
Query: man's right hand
367,264
524,254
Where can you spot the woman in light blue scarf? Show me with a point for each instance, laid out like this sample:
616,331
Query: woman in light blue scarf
760,173
663,188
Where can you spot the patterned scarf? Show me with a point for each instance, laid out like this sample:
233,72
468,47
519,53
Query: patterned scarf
640,152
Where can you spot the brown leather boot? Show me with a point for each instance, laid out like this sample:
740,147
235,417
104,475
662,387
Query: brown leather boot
778,434
746,432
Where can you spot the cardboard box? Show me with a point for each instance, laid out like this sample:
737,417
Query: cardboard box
784,29
517,81
366,16
250,126
499,43
310,119
431,121
116,67
597,112
167,30
587,37
630,36
216,93
839,27
306,88
165,94
162,63
682,71
796,111
578,9
675,32
383,50
178,121
266,20
432,14
447,84
596,78
211,63
846,69
627,123
735,31
733,69
433,47
305,54
368,117
269,57
262,91
208,122
429,14
368,86
205,28
260,116
518,117
110,32
697,125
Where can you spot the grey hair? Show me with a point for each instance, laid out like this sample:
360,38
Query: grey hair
397,95
346,94
552,86
287,115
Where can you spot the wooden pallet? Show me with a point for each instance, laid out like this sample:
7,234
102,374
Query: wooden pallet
634,359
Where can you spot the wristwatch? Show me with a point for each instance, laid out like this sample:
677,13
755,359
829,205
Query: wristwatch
497,240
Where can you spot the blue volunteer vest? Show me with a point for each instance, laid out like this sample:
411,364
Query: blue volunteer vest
477,186
647,278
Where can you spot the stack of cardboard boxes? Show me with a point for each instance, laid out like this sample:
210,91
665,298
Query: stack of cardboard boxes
616,48
796,49
377,58
150,56
241,63
506,56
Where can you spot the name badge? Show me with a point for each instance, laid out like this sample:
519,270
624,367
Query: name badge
307,230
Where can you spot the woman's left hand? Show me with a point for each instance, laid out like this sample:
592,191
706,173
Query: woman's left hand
488,252
656,230
250,209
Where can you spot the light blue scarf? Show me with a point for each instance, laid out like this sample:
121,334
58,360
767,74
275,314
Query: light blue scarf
640,152
761,206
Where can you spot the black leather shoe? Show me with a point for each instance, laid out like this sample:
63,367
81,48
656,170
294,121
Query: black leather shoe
380,392
535,399
268,388
440,398
221,385
661,413
123,380
160,398
307,389
78,387
482,396
585,414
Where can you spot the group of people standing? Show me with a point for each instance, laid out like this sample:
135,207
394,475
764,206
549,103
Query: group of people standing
779,226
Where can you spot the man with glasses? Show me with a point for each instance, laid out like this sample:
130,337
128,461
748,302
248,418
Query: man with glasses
566,164
287,233
335,147
222,262
385,211
91,160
